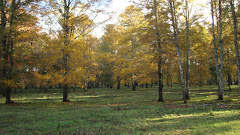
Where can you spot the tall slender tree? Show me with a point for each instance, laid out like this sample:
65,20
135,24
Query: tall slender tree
175,34
188,50
221,94
159,49
234,18
215,46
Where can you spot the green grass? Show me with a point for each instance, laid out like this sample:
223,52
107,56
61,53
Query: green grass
111,111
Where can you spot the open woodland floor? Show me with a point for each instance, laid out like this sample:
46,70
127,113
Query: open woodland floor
112,111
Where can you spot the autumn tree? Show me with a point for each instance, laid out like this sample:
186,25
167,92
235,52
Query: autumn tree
131,27
16,20
72,23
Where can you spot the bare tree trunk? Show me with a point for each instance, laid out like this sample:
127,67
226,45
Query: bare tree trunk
215,48
66,43
133,84
118,82
221,51
85,85
159,49
5,50
229,80
65,93
175,30
188,52
235,41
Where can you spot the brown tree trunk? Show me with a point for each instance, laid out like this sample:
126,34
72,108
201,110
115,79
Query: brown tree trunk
160,91
236,41
8,98
229,79
65,27
118,82
221,94
188,52
159,49
146,85
85,86
215,47
8,49
134,85
65,93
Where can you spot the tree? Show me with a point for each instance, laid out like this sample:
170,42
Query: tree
221,92
13,16
159,49
215,46
234,19
73,24
188,50
131,27
107,51
156,37
175,34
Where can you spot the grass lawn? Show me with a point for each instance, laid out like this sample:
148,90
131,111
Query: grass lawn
112,111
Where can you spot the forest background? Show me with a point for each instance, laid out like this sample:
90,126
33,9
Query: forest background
153,43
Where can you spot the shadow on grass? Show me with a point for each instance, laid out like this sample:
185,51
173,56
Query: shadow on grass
196,120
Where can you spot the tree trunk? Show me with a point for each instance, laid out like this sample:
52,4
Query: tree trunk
175,30
215,48
65,27
188,53
118,82
8,98
229,79
85,86
134,85
221,94
159,49
65,93
8,49
4,47
160,91
235,41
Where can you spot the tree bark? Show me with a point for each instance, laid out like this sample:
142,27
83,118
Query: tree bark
85,86
66,43
159,47
235,41
4,50
221,94
8,46
229,79
215,48
133,84
188,52
118,82
65,93
175,34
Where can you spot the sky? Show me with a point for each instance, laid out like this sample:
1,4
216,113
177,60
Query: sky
118,7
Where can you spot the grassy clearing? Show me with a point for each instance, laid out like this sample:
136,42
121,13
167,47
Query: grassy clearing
111,111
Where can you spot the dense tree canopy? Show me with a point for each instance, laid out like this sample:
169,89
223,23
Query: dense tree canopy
154,42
